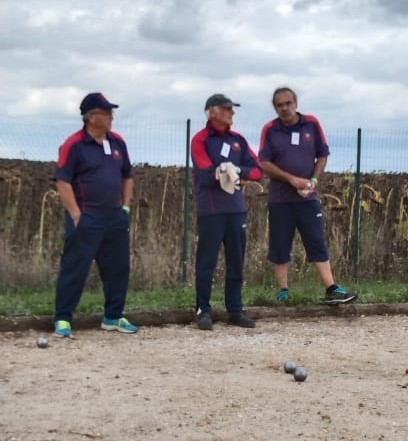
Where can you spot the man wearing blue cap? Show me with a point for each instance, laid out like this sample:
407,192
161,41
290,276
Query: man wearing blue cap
94,180
222,162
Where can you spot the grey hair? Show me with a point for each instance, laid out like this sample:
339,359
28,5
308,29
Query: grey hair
282,90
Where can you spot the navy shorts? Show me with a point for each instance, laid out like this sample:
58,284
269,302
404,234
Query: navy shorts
307,217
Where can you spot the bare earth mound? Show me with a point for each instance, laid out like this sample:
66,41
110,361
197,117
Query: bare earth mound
178,383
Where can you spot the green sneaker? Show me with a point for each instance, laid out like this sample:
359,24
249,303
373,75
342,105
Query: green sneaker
63,328
282,295
121,325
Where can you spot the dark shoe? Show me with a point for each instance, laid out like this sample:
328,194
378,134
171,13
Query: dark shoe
204,321
339,295
240,319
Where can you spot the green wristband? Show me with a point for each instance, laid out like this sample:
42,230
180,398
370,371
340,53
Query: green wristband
314,179
126,208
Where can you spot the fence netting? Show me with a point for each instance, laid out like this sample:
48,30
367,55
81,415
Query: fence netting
164,143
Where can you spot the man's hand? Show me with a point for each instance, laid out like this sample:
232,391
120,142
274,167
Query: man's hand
76,219
299,183
307,190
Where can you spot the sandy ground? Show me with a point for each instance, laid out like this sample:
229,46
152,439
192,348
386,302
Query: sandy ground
179,383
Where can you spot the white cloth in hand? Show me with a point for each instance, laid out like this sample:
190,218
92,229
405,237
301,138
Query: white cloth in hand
227,173
306,192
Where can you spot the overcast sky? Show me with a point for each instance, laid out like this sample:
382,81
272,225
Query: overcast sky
161,59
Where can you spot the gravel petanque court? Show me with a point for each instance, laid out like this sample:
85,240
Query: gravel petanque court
179,383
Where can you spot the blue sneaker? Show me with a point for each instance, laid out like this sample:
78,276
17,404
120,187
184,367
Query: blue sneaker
121,325
339,295
63,328
283,295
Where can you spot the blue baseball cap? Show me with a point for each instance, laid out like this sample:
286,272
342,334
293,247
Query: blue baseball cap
96,101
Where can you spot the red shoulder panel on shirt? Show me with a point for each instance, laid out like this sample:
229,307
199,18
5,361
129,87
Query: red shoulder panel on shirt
310,118
198,151
265,129
66,147
234,132
314,120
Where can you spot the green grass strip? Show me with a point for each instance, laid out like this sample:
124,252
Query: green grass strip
25,301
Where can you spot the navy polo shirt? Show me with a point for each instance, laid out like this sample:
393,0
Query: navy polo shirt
96,177
209,148
295,154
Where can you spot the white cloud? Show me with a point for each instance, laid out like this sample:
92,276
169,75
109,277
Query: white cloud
162,59
46,100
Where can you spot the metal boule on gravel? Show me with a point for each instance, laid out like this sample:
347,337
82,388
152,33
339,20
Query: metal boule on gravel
300,374
42,342
289,367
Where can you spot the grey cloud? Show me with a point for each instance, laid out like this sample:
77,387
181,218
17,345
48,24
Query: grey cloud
353,7
164,30
374,9
301,5
171,22
235,2
14,31
370,68
211,43
394,6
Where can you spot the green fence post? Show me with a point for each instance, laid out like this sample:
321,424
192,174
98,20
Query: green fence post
186,221
357,211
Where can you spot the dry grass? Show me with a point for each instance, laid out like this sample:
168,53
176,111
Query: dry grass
31,227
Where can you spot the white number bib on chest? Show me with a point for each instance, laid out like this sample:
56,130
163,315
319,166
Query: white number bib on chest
295,138
225,151
106,147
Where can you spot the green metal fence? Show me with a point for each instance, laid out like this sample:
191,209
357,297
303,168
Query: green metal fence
164,143
353,151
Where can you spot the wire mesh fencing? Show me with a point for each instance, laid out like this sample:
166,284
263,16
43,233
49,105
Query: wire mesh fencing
164,143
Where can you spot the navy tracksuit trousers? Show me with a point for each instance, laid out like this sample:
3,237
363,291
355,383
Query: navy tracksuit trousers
229,229
105,240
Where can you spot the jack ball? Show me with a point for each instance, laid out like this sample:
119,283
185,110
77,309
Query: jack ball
42,342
